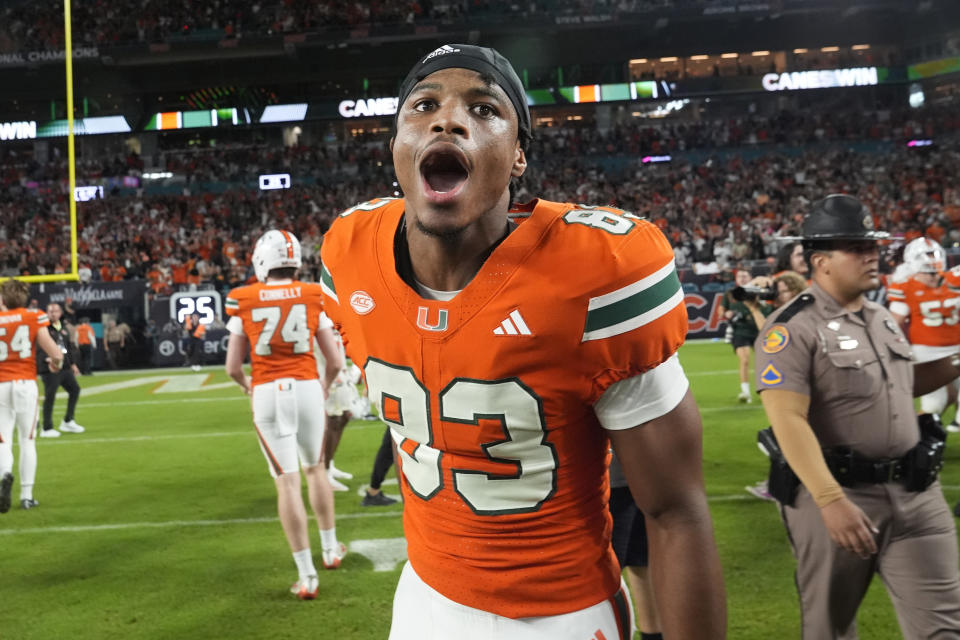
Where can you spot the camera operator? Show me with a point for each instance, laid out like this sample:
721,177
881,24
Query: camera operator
745,309
837,380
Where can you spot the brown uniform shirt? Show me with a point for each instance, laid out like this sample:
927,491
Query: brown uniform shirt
858,372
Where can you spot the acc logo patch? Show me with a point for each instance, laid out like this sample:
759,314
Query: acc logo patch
770,376
361,302
776,339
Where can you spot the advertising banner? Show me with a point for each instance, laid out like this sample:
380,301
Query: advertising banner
703,295
92,295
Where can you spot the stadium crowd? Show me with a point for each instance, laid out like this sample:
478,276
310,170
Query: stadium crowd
715,207
369,154
38,26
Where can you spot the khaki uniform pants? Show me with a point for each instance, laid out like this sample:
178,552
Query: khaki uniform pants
917,561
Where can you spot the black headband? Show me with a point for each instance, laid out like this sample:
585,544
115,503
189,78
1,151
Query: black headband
479,59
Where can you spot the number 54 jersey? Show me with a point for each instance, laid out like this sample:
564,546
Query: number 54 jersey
489,396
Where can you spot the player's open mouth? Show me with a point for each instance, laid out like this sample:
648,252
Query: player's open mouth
444,172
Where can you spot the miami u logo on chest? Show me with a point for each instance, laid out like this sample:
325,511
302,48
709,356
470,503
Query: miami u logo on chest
423,319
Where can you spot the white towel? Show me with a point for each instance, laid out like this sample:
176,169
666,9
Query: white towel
286,399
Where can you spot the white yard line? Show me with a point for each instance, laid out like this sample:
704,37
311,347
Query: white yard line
219,523
137,403
736,497
180,523
718,372
72,439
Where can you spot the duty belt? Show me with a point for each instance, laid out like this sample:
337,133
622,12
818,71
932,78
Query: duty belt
851,468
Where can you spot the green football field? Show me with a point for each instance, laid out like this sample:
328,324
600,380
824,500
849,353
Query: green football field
160,522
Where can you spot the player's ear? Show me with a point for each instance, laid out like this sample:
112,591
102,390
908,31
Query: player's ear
519,162
391,143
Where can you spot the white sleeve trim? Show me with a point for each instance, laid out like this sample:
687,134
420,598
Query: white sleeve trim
899,308
325,322
235,325
643,398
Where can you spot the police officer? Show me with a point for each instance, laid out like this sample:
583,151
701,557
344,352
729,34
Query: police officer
837,381
66,377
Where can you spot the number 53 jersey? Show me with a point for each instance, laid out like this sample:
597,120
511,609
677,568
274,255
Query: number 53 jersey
932,311
489,396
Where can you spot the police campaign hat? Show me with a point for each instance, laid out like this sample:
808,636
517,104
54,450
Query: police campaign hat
839,217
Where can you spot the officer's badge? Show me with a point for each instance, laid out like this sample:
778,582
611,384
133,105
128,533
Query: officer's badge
868,222
770,376
889,324
776,340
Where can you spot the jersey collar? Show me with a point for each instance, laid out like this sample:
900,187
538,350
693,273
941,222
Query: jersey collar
502,262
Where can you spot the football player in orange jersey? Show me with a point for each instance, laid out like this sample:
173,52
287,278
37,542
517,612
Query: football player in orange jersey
280,317
927,308
506,350
20,329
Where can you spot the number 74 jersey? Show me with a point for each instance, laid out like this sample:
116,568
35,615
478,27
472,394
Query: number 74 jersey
279,320
489,396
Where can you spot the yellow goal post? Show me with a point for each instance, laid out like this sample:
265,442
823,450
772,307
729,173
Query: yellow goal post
73,275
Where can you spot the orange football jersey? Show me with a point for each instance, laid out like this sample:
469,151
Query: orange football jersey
18,335
280,321
932,312
490,395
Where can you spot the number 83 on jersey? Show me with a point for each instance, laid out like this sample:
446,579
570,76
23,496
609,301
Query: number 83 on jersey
404,404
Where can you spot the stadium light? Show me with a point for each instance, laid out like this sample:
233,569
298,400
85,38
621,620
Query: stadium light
860,47
829,49
760,54
639,61
699,57
669,59
801,50
729,55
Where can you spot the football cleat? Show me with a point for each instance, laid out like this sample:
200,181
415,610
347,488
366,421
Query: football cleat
49,433
760,490
336,485
338,474
6,484
306,588
332,559
744,397
379,499
71,427
953,427
29,503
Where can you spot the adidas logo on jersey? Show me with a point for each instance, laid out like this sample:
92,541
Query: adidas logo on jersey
513,326
441,51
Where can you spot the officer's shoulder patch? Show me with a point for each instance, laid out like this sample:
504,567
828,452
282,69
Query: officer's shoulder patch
776,339
795,306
